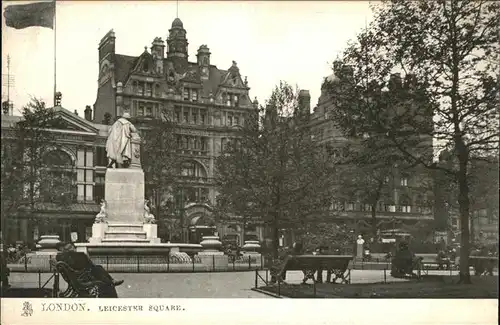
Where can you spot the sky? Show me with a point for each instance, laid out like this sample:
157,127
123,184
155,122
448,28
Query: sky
292,41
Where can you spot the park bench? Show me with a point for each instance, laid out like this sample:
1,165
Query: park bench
335,265
432,261
81,284
483,264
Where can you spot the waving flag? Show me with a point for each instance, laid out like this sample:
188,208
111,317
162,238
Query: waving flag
39,14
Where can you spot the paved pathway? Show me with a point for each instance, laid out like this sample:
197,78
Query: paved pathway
167,285
199,285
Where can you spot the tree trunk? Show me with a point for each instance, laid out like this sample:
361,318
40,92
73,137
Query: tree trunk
374,221
463,201
275,236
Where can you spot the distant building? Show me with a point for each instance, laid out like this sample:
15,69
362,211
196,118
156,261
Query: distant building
405,209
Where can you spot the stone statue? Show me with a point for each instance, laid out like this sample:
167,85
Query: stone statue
360,240
118,145
148,216
102,215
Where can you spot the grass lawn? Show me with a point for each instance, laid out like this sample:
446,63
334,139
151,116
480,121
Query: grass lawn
432,286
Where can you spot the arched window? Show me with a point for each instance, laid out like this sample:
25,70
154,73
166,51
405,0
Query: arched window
193,169
57,158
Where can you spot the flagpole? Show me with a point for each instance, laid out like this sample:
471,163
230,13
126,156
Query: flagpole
55,54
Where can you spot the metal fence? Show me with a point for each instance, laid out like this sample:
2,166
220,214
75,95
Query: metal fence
149,264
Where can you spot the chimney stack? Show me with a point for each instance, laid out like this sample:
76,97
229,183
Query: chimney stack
304,101
88,113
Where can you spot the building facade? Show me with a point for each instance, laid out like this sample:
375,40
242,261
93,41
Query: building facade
405,206
206,103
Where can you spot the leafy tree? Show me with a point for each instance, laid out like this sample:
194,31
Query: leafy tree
160,161
27,178
449,54
273,172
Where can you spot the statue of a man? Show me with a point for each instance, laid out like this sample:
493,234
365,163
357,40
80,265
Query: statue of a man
118,145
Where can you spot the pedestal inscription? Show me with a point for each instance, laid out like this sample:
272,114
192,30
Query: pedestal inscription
124,194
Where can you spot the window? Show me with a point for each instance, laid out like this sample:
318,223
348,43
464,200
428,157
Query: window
186,117
140,110
140,90
202,117
229,120
157,91
228,100
194,95
404,180
186,94
350,206
145,66
236,100
100,156
236,121
203,144
194,116
135,87
149,89
149,110
386,180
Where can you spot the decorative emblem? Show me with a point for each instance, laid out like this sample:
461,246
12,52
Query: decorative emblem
27,309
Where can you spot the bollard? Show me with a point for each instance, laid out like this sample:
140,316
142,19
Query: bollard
279,285
249,262
385,275
267,281
25,262
192,259
213,261
256,274
261,262
50,264
138,264
168,262
39,279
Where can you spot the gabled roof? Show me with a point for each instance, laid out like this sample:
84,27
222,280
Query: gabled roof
78,123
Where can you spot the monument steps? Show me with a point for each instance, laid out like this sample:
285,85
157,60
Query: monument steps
125,240
125,234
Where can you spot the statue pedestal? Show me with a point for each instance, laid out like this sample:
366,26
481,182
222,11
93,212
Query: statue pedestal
151,231
124,195
359,250
98,231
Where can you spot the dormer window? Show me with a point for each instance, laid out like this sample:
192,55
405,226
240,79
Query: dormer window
145,66
186,94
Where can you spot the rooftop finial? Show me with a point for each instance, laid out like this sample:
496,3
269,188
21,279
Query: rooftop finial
177,8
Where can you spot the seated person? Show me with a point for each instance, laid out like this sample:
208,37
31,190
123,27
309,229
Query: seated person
81,262
297,249
404,261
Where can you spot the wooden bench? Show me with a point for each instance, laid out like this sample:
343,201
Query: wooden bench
428,260
335,265
81,284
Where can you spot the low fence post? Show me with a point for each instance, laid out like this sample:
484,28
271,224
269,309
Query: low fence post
314,288
138,264
249,262
25,262
267,281
261,262
107,263
385,275
168,262
234,259
213,262
256,280
39,279
55,290
192,259
279,286
50,264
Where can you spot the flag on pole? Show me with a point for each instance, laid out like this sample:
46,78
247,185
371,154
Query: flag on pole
39,14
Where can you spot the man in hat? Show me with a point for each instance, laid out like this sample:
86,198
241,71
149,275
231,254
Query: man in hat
80,261
118,144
